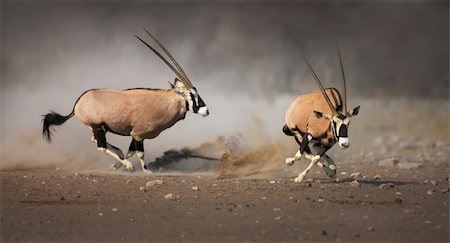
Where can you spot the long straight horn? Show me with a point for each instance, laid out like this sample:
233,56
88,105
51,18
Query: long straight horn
186,79
320,86
344,86
179,75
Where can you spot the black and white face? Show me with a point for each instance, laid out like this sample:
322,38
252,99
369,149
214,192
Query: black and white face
339,125
196,103
340,128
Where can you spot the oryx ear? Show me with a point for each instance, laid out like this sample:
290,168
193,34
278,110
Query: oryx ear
171,85
322,115
179,86
354,111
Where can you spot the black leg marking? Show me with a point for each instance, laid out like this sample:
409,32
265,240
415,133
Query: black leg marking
132,147
99,135
304,143
139,145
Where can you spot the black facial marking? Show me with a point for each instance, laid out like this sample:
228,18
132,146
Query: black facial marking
343,131
340,116
196,105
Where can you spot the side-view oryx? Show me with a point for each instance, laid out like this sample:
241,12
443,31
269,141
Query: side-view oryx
139,112
319,119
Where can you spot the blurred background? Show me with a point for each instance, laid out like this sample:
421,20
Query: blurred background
243,56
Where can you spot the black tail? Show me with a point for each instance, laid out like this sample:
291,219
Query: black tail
50,120
287,131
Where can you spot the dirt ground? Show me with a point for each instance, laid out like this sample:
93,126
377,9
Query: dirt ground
51,205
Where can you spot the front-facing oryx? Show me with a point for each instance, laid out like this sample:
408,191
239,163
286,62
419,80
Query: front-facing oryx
319,119
139,112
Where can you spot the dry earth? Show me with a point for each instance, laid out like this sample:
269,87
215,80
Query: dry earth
49,205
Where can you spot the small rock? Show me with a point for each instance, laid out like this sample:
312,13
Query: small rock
100,214
410,165
370,228
154,182
277,209
427,222
385,186
398,200
444,190
272,182
355,175
343,173
433,182
430,192
309,180
390,162
279,218
128,182
195,188
376,177
172,197
355,184
114,209
142,189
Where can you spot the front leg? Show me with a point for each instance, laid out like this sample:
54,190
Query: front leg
314,160
137,146
303,142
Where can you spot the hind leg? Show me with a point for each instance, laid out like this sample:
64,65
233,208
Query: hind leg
303,142
330,169
111,150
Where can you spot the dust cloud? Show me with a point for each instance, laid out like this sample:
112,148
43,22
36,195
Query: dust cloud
243,57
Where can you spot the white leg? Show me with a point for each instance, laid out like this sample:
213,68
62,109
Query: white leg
290,161
117,154
141,159
314,160
298,155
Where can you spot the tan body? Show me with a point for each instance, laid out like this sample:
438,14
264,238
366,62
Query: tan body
141,113
300,115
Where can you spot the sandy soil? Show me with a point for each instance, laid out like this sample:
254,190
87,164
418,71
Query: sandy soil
50,205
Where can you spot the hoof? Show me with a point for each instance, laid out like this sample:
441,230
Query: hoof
145,171
289,161
298,179
116,166
330,172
